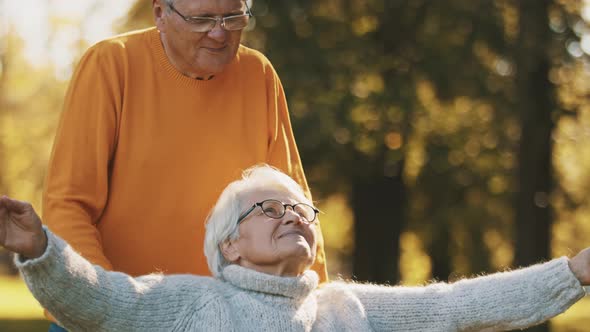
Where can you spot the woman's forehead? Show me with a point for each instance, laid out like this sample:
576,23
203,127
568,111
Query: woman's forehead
282,194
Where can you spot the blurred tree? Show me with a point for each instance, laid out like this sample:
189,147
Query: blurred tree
446,103
359,77
29,94
5,262
461,184
349,112
138,17
537,107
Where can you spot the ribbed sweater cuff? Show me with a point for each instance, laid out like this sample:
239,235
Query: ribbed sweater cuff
34,271
562,284
46,260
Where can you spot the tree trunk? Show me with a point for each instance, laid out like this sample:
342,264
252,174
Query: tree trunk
440,253
378,204
535,170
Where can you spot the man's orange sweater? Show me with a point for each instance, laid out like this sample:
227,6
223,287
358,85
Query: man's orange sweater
142,153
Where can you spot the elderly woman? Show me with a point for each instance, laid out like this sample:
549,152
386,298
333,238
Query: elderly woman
260,242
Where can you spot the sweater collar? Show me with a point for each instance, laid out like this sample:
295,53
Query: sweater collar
166,66
292,287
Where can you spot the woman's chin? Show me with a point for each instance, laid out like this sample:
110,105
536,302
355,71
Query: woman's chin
303,252
296,242
297,239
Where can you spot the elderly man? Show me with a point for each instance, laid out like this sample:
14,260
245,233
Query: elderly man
260,242
155,124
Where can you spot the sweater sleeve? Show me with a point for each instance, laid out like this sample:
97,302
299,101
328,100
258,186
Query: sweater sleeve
284,155
85,297
497,302
76,185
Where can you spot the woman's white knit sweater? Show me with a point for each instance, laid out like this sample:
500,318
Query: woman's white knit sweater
84,297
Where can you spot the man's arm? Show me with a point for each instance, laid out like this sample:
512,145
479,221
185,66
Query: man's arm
76,185
284,155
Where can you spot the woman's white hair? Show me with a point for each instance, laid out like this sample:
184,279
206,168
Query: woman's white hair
222,223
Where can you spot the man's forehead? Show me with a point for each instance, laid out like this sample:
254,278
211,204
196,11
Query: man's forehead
212,6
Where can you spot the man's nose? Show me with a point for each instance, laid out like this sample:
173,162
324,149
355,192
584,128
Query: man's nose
218,33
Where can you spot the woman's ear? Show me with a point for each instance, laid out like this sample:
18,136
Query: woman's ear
230,251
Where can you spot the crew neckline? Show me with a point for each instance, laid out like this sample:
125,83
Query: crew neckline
168,68
292,287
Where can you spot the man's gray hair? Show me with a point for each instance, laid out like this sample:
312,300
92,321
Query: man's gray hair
171,2
222,223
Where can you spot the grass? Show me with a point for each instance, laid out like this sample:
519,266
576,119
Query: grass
576,319
24,325
19,311
16,302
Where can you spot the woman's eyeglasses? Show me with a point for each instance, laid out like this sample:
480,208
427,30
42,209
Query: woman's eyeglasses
276,209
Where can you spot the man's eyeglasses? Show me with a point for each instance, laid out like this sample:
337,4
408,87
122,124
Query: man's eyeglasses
277,209
206,24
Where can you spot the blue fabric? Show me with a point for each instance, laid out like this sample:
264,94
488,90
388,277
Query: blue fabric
56,328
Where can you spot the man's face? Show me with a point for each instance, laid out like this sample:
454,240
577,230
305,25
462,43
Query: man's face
198,53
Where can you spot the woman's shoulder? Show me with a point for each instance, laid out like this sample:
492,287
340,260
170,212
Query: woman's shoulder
335,291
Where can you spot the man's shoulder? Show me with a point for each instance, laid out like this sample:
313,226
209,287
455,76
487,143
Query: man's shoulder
125,40
252,56
254,62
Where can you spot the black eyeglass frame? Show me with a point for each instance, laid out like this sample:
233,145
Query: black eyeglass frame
192,19
245,214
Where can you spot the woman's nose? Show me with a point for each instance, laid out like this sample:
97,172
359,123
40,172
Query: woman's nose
292,216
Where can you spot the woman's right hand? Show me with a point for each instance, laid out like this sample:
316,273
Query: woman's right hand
21,229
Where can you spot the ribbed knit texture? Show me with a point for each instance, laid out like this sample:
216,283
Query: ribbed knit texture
84,297
143,152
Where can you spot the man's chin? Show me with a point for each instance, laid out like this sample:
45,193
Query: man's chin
213,62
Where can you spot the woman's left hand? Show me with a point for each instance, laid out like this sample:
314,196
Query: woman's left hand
580,266
21,229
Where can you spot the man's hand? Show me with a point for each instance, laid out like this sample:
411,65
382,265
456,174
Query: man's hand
21,229
580,266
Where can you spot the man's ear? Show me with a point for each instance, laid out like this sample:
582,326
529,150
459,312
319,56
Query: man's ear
230,251
158,9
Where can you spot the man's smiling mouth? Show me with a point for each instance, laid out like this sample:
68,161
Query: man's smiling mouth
214,49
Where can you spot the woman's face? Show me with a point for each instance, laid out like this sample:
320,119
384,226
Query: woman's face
285,246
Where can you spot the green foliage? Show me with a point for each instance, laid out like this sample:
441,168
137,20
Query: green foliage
378,85
428,87
22,325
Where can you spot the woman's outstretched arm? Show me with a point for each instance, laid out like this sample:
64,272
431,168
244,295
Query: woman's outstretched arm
497,302
85,297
